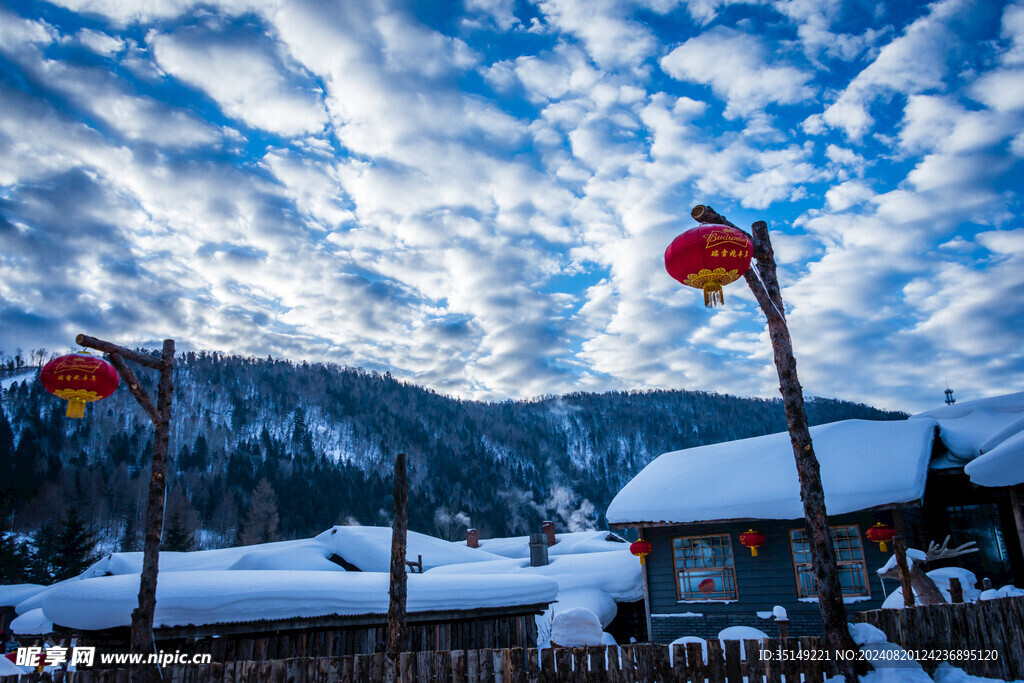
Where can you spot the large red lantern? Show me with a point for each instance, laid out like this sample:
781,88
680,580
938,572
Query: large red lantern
708,257
641,549
881,534
753,540
79,378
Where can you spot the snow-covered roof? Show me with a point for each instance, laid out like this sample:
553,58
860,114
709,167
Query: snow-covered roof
231,596
571,543
864,464
985,436
295,579
595,581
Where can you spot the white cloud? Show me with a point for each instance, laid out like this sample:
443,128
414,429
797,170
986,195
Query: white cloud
736,67
912,63
244,77
609,37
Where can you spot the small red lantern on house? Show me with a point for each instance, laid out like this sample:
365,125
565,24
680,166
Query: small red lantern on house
708,257
641,549
753,540
881,534
79,378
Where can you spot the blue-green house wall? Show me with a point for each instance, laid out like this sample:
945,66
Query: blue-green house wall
762,582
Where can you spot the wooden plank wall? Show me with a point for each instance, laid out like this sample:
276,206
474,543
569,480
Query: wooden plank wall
964,628
627,664
468,634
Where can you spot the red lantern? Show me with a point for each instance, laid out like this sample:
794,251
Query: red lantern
708,257
79,378
641,549
753,540
881,534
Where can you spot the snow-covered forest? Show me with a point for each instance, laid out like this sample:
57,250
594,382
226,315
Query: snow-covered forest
266,449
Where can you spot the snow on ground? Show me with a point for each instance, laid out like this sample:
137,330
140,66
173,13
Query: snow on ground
595,581
863,464
7,382
987,435
571,543
226,596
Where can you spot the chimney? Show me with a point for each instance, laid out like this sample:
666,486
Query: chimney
548,529
538,550
472,538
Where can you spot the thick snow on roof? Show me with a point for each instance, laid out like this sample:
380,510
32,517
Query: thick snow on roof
987,435
864,464
13,594
32,623
595,581
223,596
369,548
571,543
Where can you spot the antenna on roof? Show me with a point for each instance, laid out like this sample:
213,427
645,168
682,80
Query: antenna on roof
949,397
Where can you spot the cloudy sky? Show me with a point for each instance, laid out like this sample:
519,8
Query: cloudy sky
476,195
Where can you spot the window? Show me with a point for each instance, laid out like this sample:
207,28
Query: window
704,567
849,558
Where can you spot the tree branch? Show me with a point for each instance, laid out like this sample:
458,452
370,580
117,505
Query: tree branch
133,385
108,347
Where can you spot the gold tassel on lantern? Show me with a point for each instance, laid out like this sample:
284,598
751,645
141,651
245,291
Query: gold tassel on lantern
713,294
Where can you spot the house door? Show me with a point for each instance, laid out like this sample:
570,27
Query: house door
981,524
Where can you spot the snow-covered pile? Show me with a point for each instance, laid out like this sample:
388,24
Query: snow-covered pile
576,628
593,581
941,578
863,464
987,436
225,596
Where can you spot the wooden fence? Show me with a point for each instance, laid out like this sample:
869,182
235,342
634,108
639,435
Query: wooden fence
962,628
626,664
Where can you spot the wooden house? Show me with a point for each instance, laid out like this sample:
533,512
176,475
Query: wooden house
918,476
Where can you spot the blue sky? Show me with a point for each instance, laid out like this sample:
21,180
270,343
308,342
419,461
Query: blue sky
476,196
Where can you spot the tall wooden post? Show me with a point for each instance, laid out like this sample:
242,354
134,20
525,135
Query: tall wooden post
160,415
764,283
397,591
1018,514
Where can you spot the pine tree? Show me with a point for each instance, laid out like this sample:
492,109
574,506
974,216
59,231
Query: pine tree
177,536
261,522
75,547
13,556
6,462
129,541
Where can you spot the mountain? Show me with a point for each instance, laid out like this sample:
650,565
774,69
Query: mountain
323,438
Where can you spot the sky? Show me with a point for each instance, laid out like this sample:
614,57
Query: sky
476,195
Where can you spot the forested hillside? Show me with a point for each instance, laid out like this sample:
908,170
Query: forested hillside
266,448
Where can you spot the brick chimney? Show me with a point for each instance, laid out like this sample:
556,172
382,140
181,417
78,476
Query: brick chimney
548,529
472,538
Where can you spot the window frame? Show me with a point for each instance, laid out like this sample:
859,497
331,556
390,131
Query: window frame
839,563
731,568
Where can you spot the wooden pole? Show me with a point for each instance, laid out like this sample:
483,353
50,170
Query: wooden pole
647,599
900,549
763,282
142,616
397,590
1018,515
